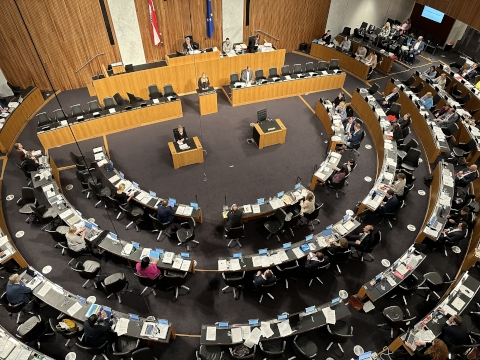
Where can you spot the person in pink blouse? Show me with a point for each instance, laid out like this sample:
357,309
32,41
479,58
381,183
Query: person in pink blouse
144,268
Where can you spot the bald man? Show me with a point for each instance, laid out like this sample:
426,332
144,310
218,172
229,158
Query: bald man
466,176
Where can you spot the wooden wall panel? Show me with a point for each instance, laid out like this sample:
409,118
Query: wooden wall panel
440,30
464,10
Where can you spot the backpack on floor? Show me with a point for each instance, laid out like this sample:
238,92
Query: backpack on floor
241,351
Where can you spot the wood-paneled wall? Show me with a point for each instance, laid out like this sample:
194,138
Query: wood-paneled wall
464,10
292,22
440,30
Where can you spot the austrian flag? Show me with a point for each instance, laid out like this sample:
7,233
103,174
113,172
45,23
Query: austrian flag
153,20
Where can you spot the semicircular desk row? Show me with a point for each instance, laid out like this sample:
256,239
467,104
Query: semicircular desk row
11,348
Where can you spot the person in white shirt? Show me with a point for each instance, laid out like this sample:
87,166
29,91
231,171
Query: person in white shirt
441,81
247,75
345,44
307,206
227,46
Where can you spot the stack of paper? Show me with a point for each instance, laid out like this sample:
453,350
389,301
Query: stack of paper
177,263
266,329
74,308
180,210
284,328
222,265
329,315
114,179
211,333
236,334
234,264
121,328
298,252
283,255
257,261
168,257
266,260
256,209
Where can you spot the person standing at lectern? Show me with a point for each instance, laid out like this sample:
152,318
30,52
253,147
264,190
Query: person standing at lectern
247,75
203,82
180,135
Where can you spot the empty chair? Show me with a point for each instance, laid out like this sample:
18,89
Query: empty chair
266,289
314,273
272,73
458,64
233,280
32,330
297,69
395,110
464,99
333,65
133,99
60,239
411,160
115,284
454,91
287,271
109,103
120,100
462,150
346,31
259,74
27,202
402,150
27,174
93,106
322,66
373,89
12,309
312,217
340,258
43,120
176,280
275,222
74,254
168,91
436,99
59,115
309,67
77,110
234,78
396,319
450,131
143,354
123,346
287,225
234,234
209,353
186,233
43,215
149,283
272,349
100,193
134,215
84,177
285,70
118,207
304,348
153,92
339,333
409,81
81,162
88,270
158,226
69,335
417,88
408,287
99,350
435,283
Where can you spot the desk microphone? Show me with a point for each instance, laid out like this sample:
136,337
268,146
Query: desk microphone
298,178
196,200
225,200
315,168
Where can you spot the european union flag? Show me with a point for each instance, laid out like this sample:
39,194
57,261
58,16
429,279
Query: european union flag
209,19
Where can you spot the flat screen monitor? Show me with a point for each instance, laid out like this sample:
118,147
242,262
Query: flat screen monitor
432,14
261,115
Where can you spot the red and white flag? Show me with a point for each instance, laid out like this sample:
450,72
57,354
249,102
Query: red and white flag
153,20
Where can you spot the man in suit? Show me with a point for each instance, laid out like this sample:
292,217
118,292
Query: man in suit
165,212
17,292
390,205
247,75
457,218
448,118
454,331
453,235
266,278
350,125
356,136
362,241
388,100
189,44
470,72
466,176
234,217
96,334
327,37
415,48
316,260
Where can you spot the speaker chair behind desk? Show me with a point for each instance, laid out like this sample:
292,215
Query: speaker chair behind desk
59,115
148,283
124,346
458,64
297,69
153,92
373,89
234,234
309,67
436,99
333,65
259,74
418,88
304,348
454,91
120,100
84,177
312,217
272,73
77,110
234,79
168,91
339,333
81,162
409,82
88,270
272,349
158,226
109,103
43,215
100,192
133,214
322,66
462,150
32,330
274,223
396,319
340,258
464,99
99,350
186,233
115,284
67,335
411,160
13,309
435,283
233,280
43,121
27,202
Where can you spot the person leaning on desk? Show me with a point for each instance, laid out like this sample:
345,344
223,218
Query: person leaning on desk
180,135
203,82
361,52
96,332
247,75
121,197
316,260
436,351
17,292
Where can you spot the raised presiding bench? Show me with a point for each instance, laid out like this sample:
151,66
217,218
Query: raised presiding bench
80,309
109,121
184,157
253,331
269,133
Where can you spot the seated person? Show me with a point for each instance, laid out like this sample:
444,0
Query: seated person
339,99
189,44
455,234
350,164
234,218
424,351
253,43
17,292
316,260
415,48
427,100
441,111
349,125
337,247
405,121
307,206
338,176
180,135
165,212
363,240
440,81
454,331
361,53
120,195
227,46
371,61
203,82
345,44
144,268
390,205
386,29
388,100
30,163
430,73
397,133
96,334
448,118
466,176
356,137
398,187
266,278
341,110
247,75
461,216
75,241
21,152
327,37
470,72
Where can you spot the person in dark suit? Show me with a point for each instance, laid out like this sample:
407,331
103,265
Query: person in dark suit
180,135
316,260
96,334
390,98
362,241
456,218
203,82
405,121
266,278
17,292
455,234
454,331
189,44
31,162
390,205
339,99
416,47
356,136
234,217
448,118
253,43
327,37
470,72
165,212
336,248
466,176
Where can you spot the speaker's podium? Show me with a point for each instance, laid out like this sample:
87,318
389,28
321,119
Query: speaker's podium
207,101
184,157
269,132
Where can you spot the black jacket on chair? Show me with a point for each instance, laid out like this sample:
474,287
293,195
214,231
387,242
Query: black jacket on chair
455,334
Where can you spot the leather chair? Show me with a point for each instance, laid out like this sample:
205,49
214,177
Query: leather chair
43,121
209,353
373,89
266,289
322,66
76,254
272,73
234,234
109,103
27,202
159,226
458,64
285,70
88,270
297,69
417,88
77,110
275,222
394,110
333,65
149,283
464,99
100,350
115,284
67,335
340,258
120,100
124,346
153,92
436,99
234,79
250,355
143,354
402,150
118,207
396,319
134,99
93,106
100,193
312,217
233,280
411,160
435,283
408,287
462,150
186,233
27,174
287,271
304,348
12,309
339,333
309,67
168,91
314,273
272,349
346,31
15,89
133,214
259,74
288,224
176,280
409,82
32,330
377,237
60,239
450,131
81,162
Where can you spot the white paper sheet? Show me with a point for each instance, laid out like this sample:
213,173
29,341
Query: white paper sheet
329,315
74,308
122,326
211,333
266,329
236,334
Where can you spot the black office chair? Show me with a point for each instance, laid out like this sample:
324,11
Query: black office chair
13,309
176,280
435,283
377,237
333,65
314,273
373,89
124,346
436,99
288,271
143,354
340,258
153,92
464,99
259,74
60,239
312,217
133,214
159,226
88,270
285,70
120,100
454,91
134,99
234,234
458,64
403,149
115,284
289,224
234,79
100,193
411,160
233,280
462,150
346,31
15,89
117,206
266,289
27,202
396,319
450,131
100,350
339,333
394,110
43,215
209,353
450,244
93,106
28,176
272,349
417,88
32,330
309,67
168,91
272,73
67,335
81,162
408,287
322,66
274,223
109,103
76,254
297,69
409,81
186,233
77,110
149,283
354,148
43,121
250,355
338,186
59,115
304,348
84,177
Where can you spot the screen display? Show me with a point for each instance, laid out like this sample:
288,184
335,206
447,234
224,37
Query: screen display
432,14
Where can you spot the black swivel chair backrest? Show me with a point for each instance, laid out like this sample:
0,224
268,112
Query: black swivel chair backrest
273,349
364,25
43,120
309,67
234,279
297,68
410,81
168,90
395,110
338,337
235,233
77,110
59,115
333,64
153,92
28,196
341,257
132,98
346,30
93,106
373,89
285,70
436,99
412,157
93,350
34,327
418,88
280,216
109,103
463,100
272,72
13,309
453,89
322,66
120,100
117,285
234,78
263,289
143,354
259,74
450,130
157,224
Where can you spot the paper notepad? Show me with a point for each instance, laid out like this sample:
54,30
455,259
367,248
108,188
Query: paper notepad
185,265
236,334
211,333
45,289
266,261
235,264
257,261
177,263
180,210
74,308
246,332
458,303
283,255
168,257
256,209
266,329
114,179
329,315
222,265
449,310
284,328
298,252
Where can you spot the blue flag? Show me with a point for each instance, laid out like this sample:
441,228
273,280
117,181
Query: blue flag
209,19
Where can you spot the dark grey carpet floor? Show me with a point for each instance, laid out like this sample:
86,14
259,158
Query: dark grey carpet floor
243,173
